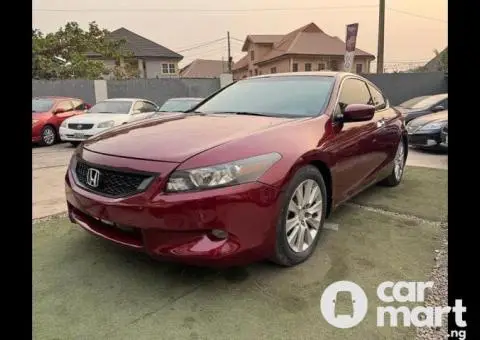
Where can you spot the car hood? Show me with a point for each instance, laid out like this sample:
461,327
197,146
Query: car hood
177,137
95,118
430,118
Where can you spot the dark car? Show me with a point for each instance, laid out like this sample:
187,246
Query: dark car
179,104
424,105
426,131
251,174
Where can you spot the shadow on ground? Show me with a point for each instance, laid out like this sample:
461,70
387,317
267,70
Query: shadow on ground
87,288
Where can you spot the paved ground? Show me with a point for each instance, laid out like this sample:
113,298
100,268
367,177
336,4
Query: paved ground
86,288
50,164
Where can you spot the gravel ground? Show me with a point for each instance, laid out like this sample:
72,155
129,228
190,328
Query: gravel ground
439,294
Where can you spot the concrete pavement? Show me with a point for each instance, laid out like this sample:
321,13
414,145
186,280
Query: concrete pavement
50,164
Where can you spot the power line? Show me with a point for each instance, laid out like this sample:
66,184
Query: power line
180,10
193,45
202,45
416,15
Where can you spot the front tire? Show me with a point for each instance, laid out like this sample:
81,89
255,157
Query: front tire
48,136
301,218
399,161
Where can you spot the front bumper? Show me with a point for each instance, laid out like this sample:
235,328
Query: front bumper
37,132
179,226
71,135
425,139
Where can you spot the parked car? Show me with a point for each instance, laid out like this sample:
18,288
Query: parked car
445,135
179,104
424,105
48,113
426,131
105,115
251,174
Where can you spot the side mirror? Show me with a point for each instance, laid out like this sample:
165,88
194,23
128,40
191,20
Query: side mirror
438,108
358,113
59,110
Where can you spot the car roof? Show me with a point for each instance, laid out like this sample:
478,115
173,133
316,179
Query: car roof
124,99
55,97
186,98
309,73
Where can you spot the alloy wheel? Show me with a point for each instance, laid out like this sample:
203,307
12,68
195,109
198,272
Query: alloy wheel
399,161
48,136
304,215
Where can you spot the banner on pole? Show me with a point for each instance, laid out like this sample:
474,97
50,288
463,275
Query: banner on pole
350,42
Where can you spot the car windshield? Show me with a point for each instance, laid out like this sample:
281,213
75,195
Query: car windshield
425,102
111,106
42,104
290,96
178,105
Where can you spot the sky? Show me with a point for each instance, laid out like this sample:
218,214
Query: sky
413,28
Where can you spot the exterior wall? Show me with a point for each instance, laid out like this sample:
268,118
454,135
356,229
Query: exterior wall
281,65
154,67
76,88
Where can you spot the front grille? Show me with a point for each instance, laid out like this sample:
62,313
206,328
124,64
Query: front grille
77,126
112,182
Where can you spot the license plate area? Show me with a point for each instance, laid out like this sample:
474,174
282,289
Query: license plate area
79,135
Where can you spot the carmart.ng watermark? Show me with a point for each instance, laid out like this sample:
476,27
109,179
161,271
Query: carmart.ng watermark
389,292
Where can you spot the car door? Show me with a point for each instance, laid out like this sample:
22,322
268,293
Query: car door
387,134
353,145
67,111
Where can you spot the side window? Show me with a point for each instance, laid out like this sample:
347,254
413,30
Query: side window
137,108
354,91
148,107
377,98
78,105
443,103
65,105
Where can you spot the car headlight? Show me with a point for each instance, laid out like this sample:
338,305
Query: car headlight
64,124
34,121
107,124
433,126
237,172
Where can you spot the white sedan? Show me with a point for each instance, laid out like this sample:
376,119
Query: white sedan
105,115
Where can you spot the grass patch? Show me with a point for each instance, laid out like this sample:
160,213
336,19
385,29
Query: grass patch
422,193
87,288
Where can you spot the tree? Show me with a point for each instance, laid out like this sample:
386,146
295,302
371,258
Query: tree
442,59
72,44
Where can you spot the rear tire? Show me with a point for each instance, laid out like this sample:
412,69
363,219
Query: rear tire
398,170
301,220
48,136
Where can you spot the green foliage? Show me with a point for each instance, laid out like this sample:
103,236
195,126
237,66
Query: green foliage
74,44
443,59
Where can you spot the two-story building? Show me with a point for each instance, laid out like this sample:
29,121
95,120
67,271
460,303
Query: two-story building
153,60
305,49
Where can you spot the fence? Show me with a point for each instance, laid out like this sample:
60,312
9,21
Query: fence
398,87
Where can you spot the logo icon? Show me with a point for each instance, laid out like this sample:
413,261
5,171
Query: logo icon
93,177
356,301
79,126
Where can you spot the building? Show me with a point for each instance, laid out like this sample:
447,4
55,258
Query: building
438,63
202,68
305,49
152,60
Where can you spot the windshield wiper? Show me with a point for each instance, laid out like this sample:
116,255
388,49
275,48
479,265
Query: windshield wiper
242,113
34,111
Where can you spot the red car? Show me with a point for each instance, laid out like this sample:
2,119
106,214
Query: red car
49,112
251,174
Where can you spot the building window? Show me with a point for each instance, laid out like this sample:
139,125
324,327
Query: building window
359,68
308,67
334,65
168,68
295,67
321,66
256,72
252,55
273,70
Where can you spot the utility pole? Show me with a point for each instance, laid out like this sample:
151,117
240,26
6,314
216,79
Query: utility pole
381,36
229,54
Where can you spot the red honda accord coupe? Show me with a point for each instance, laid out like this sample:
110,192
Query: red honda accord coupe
248,174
